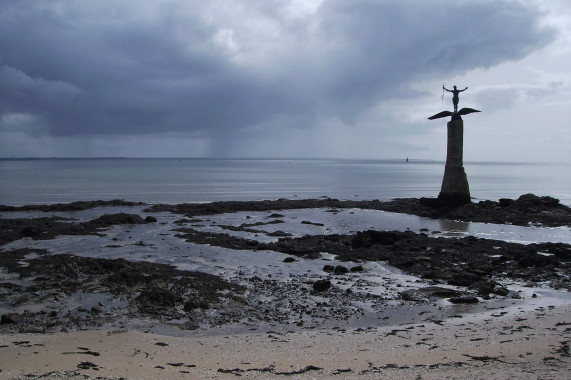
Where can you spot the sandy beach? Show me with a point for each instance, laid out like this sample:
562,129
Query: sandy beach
504,344
270,290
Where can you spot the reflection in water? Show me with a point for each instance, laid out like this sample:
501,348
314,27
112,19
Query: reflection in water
453,227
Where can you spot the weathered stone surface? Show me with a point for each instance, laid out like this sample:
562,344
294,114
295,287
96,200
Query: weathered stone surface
455,189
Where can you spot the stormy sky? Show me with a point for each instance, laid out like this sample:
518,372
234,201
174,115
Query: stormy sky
284,78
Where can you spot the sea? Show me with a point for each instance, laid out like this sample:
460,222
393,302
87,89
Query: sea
191,180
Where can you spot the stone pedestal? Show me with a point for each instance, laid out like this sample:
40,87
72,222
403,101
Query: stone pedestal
455,189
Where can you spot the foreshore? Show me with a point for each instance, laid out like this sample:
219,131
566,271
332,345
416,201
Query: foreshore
499,344
287,288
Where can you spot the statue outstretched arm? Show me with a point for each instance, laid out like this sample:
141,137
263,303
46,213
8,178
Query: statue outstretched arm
444,88
464,89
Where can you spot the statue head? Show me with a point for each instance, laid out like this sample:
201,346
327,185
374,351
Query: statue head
455,87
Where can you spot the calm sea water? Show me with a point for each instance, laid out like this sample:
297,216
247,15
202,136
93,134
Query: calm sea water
203,180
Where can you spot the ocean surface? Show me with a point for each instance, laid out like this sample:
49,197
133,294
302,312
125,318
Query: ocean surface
46,181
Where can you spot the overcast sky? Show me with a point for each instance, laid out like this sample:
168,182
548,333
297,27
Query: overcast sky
284,78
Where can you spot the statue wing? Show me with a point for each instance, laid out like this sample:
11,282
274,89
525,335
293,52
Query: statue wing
466,111
442,114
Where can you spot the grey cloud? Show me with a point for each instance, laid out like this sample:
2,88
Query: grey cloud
112,72
503,96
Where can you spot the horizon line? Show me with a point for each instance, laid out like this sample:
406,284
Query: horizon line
405,159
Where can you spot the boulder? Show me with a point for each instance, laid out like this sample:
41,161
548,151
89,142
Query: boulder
463,300
10,318
321,285
500,291
340,269
328,268
484,287
533,201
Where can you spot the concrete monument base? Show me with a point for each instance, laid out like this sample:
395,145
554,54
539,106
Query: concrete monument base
455,189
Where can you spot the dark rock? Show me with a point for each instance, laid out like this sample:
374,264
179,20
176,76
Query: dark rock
424,294
414,295
117,219
150,219
487,212
289,260
531,200
366,239
312,223
505,202
357,268
328,268
437,291
483,287
321,285
31,231
463,300
190,325
464,279
500,291
430,202
10,318
535,260
405,263
126,277
453,199
195,303
340,269
87,365
155,300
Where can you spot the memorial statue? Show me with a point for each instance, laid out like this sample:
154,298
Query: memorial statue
456,115
455,189
455,97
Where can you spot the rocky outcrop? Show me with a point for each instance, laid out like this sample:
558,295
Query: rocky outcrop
50,227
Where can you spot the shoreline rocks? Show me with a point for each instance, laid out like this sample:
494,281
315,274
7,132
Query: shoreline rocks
161,292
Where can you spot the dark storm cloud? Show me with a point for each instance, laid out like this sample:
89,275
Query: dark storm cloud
82,69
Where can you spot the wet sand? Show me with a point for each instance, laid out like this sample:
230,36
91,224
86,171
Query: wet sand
509,343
